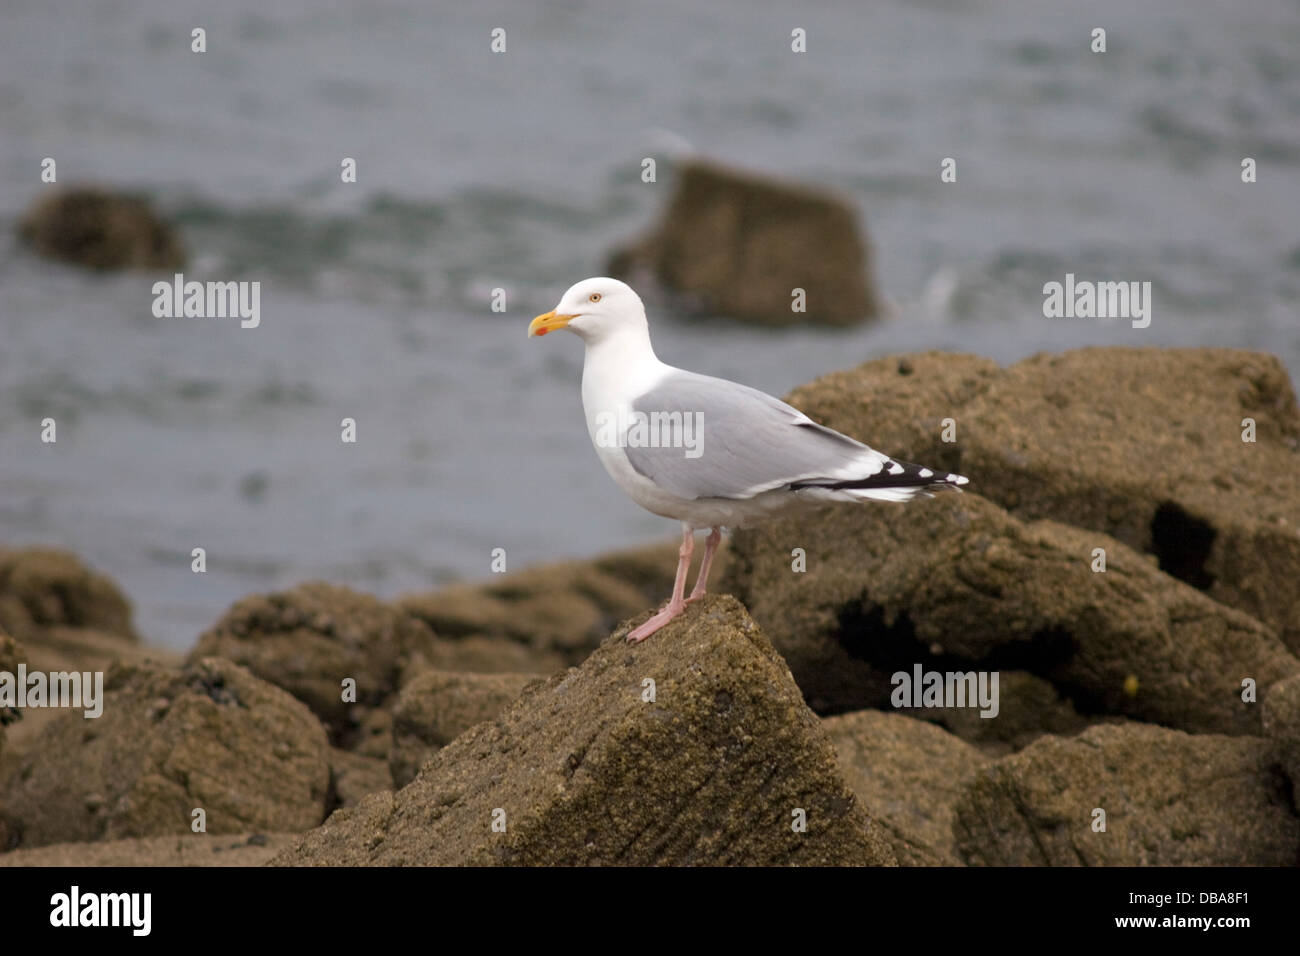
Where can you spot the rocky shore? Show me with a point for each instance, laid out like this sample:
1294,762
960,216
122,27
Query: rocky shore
1121,584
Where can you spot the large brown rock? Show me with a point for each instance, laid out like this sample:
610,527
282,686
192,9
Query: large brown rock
213,737
909,773
1141,444
192,849
1282,725
436,707
45,588
10,655
354,776
1170,799
1028,707
69,618
308,640
487,653
541,619
736,243
957,584
74,649
93,227
583,770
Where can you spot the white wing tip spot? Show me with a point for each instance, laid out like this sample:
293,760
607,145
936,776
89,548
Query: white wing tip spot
925,473
895,468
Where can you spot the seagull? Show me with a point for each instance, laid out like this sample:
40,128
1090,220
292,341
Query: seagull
706,451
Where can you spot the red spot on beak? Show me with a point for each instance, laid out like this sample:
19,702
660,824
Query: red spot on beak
541,332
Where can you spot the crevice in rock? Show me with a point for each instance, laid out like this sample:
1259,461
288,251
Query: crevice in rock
333,800
890,648
1182,544
1283,788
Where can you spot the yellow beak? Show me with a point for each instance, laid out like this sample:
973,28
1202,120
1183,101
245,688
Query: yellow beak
548,323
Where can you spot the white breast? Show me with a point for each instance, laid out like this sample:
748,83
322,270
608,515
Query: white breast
614,375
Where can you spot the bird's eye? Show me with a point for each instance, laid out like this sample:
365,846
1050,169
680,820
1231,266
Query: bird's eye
594,297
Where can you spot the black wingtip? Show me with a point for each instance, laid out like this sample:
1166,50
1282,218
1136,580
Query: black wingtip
894,474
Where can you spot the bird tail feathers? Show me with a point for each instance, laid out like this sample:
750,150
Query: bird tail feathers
893,481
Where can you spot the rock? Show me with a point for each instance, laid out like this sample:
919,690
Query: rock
737,244
192,849
354,777
436,707
213,737
483,654
44,588
1282,724
543,618
11,652
1028,707
64,649
957,584
374,736
92,227
77,648
1141,444
311,638
69,618
909,774
582,770
10,655
1170,799
650,569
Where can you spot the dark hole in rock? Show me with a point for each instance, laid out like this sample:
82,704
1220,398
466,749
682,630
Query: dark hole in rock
865,636
1045,653
214,686
1182,544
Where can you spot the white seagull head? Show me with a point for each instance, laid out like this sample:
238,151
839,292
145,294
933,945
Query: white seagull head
594,309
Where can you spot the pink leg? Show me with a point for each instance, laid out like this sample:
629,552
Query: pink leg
710,549
676,604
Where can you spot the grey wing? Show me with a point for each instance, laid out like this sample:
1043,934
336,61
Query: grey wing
738,442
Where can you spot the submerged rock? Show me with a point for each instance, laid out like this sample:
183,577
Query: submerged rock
1170,799
213,737
715,762
93,227
738,244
